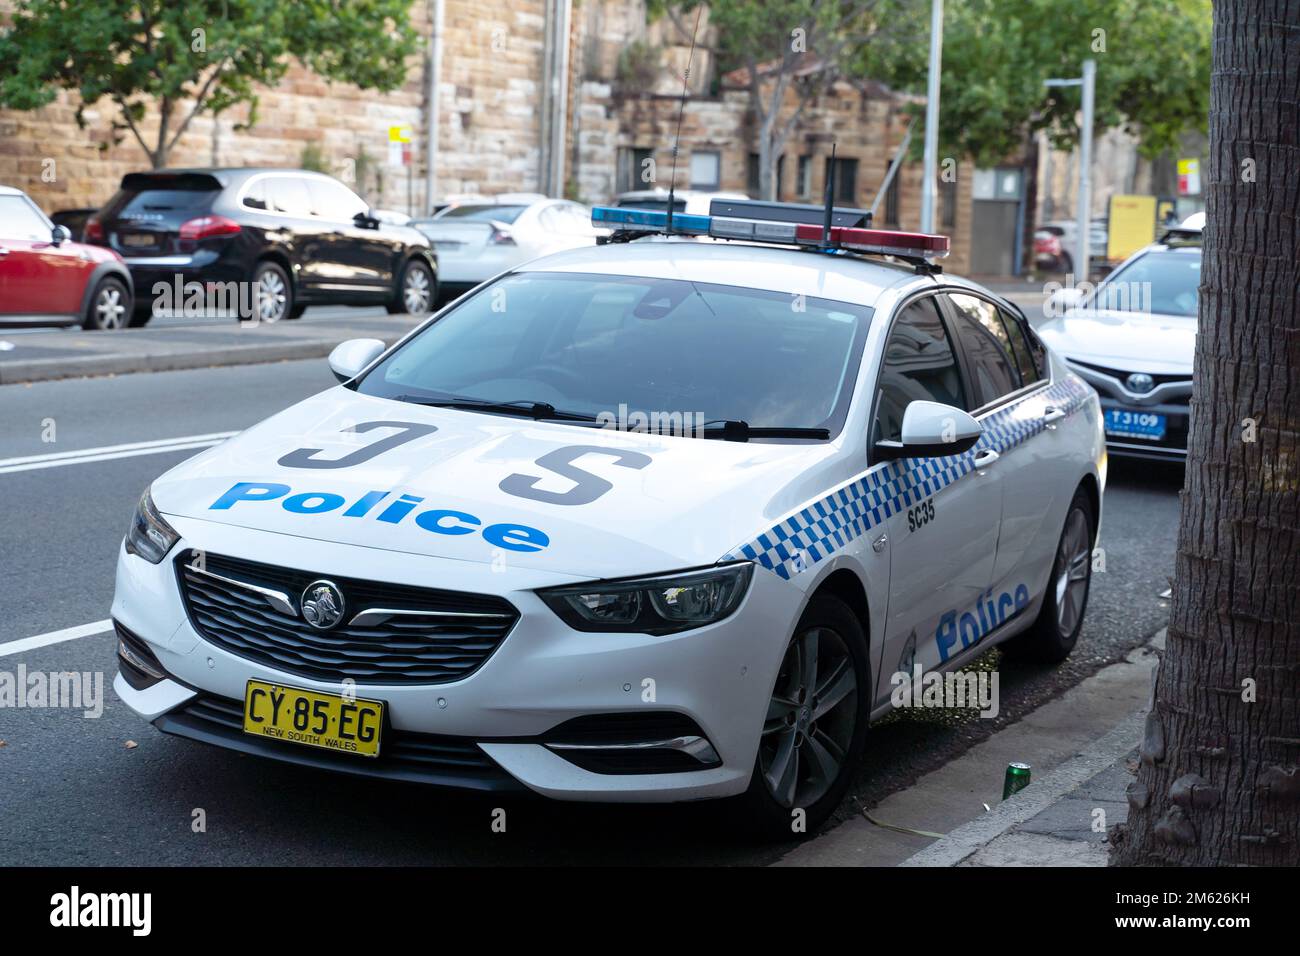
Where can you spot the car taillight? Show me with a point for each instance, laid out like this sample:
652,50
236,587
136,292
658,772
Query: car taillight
206,227
94,231
500,237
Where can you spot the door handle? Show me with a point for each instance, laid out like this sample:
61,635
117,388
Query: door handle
985,458
1052,415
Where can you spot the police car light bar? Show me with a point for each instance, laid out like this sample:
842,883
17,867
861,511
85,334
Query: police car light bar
783,227
648,221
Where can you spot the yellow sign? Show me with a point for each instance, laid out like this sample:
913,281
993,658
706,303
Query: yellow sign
399,134
1132,225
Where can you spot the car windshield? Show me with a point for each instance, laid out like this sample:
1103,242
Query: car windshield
598,346
1159,282
483,213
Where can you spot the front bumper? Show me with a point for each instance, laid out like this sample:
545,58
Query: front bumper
504,725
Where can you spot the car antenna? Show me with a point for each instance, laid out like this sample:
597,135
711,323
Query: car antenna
830,200
677,137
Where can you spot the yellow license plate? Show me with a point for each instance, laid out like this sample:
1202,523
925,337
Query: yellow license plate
308,717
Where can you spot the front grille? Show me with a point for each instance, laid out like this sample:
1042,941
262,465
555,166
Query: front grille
403,755
403,649
1121,376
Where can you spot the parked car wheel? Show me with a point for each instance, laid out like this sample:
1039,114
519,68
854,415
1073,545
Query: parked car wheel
816,723
110,306
298,309
274,293
416,291
1056,630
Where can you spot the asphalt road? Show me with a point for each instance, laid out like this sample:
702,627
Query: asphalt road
72,791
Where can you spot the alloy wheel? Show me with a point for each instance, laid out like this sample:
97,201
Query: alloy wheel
415,291
1073,564
110,309
272,296
811,719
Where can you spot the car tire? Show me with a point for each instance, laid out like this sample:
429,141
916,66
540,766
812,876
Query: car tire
1055,631
416,293
298,309
109,308
806,756
274,292
1066,263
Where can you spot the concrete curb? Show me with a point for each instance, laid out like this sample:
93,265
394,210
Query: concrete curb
971,837
49,369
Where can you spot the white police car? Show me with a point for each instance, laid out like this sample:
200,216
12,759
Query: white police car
651,521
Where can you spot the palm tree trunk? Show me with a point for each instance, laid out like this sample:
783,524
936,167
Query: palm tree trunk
1219,781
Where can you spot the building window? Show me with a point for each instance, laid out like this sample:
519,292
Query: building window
846,179
635,169
891,197
948,192
804,185
706,169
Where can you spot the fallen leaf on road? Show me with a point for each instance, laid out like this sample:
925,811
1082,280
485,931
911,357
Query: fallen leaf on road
131,745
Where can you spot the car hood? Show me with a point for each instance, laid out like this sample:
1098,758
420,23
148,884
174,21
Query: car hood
1129,341
601,503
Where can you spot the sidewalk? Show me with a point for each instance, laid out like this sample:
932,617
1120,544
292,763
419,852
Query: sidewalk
1080,747
62,353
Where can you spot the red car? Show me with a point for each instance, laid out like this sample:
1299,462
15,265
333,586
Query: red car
47,279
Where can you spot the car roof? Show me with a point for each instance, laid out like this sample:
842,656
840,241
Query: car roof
11,191
771,268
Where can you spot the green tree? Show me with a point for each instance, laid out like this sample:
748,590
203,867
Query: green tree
1153,69
185,57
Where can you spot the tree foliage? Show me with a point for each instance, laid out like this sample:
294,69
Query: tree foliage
189,56
1153,71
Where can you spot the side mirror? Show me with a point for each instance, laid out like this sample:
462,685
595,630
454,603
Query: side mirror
932,430
1062,301
60,234
350,357
365,220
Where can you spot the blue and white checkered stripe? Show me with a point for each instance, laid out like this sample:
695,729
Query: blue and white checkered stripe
830,523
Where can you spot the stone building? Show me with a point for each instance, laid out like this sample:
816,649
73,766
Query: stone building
498,104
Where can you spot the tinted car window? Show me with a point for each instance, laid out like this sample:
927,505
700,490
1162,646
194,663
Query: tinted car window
987,347
19,220
1020,348
142,204
290,195
483,213
1162,282
919,365
334,201
592,343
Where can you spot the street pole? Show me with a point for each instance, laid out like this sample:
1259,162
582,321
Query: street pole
1088,82
929,189
431,123
1081,261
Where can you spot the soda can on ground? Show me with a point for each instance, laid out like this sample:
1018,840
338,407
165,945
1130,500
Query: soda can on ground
1016,780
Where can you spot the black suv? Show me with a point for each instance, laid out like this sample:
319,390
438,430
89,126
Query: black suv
266,243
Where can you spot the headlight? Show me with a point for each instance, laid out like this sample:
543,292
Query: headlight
660,605
149,535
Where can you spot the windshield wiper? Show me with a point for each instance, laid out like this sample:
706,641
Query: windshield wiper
524,408
732,430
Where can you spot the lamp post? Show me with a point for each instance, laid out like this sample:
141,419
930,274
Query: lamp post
931,157
1089,83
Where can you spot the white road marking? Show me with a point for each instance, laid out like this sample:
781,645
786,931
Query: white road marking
55,637
109,452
